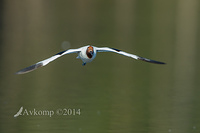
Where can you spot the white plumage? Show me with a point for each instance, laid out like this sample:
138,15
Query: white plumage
86,54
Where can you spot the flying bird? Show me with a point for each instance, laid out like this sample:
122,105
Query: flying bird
86,54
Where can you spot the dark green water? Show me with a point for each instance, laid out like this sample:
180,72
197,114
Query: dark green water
113,93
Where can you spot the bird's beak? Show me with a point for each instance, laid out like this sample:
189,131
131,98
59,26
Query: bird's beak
91,52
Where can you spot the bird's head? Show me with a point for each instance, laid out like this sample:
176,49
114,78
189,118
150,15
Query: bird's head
90,51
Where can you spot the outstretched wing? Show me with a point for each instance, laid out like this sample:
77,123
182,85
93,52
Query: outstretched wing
106,49
46,61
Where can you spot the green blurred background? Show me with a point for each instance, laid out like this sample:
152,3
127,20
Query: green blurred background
114,93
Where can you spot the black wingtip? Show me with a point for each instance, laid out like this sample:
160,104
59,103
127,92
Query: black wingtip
151,61
30,68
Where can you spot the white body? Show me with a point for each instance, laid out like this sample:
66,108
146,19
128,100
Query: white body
83,56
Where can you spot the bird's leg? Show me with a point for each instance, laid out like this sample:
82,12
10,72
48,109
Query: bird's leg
83,64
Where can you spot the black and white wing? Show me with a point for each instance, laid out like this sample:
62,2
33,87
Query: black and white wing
46,61
106,49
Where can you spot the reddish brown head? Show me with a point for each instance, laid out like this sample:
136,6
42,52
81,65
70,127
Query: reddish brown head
90,51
